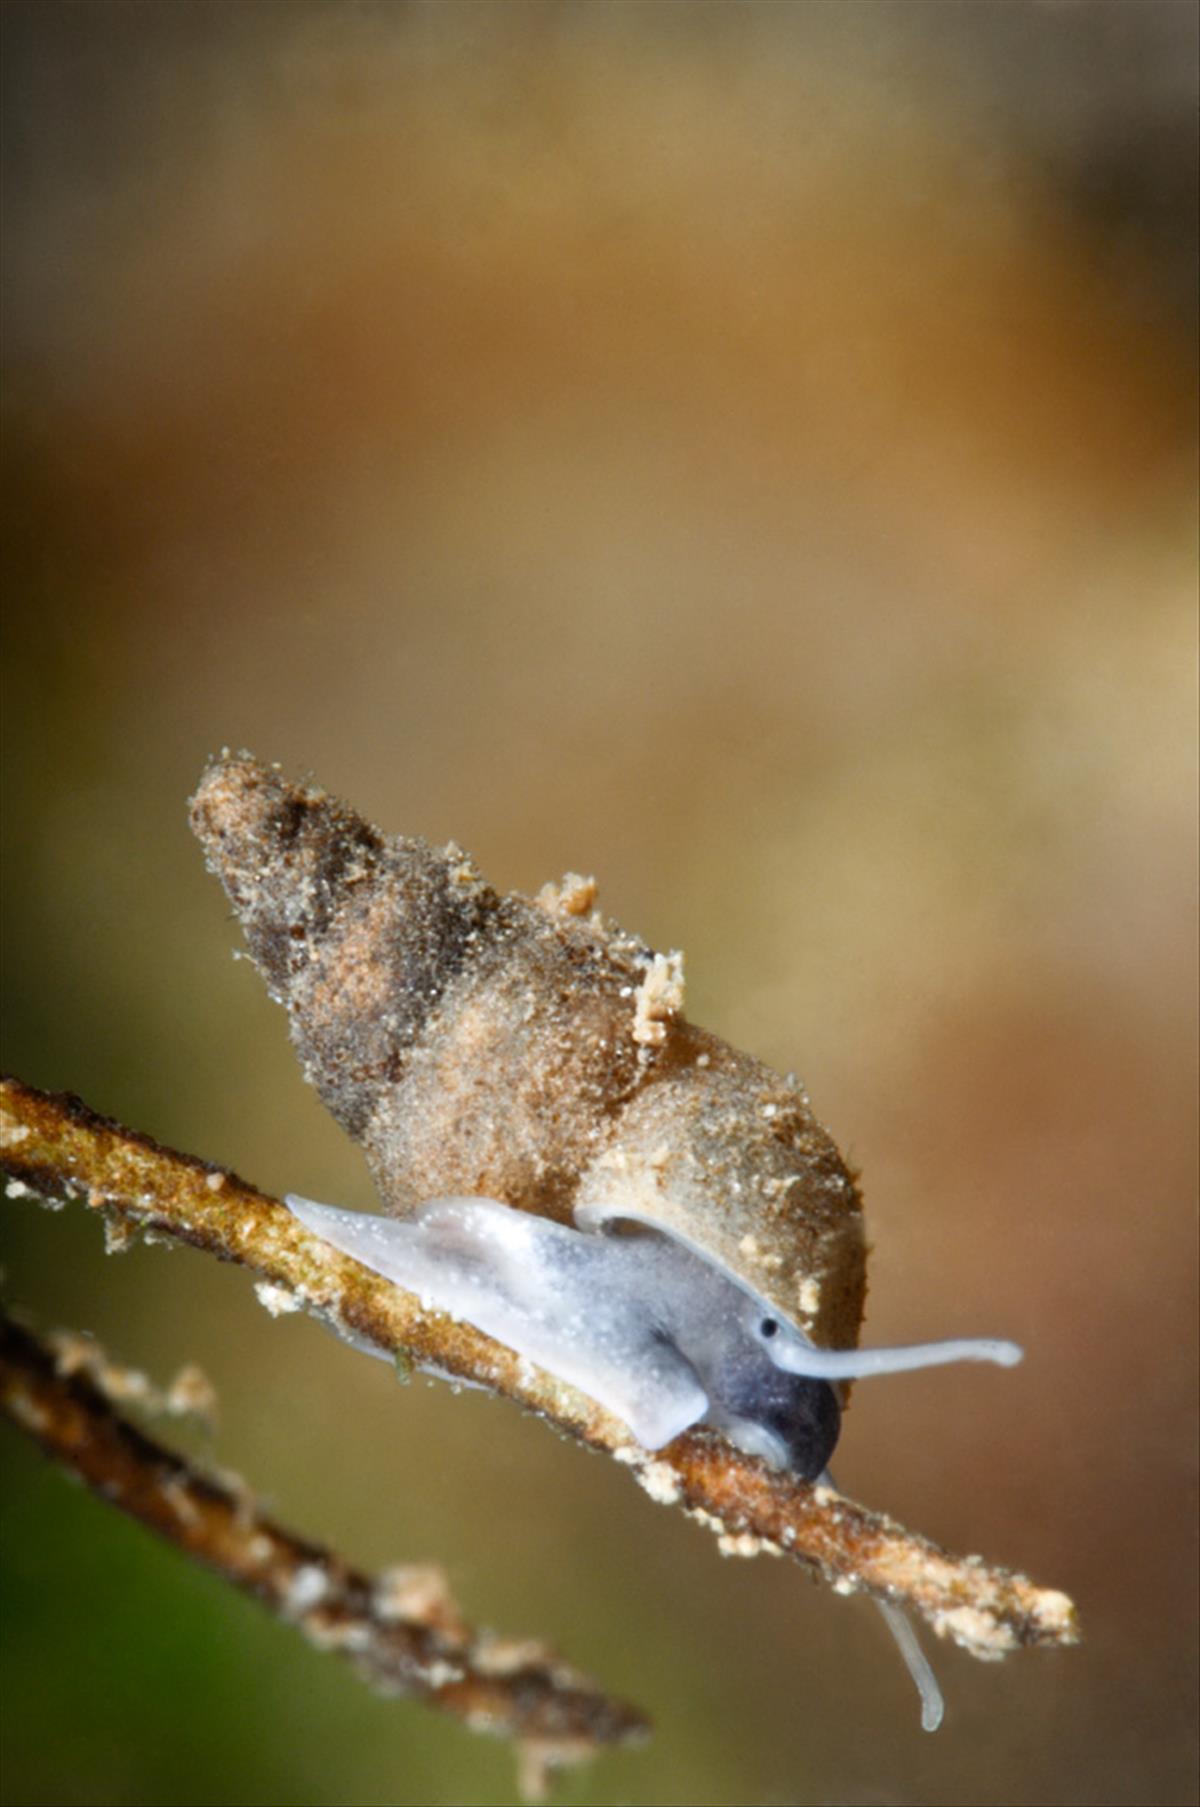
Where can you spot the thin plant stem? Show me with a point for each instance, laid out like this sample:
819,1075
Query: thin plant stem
58,1149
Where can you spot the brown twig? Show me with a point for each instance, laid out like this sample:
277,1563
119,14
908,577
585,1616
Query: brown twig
400,1628
56,1147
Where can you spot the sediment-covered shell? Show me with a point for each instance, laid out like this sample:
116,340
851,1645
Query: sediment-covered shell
524,1049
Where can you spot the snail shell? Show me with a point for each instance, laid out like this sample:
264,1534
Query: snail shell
526,1050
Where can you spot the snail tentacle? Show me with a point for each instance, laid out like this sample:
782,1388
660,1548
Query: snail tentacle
933,1705
857,1364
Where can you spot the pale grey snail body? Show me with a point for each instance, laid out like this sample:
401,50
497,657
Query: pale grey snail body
566,1162
641,1323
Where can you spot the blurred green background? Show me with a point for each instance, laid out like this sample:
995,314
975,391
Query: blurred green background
746,452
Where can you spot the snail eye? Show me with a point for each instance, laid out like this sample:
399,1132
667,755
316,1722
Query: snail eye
768,1327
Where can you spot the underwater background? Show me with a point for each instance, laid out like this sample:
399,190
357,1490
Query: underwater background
746,452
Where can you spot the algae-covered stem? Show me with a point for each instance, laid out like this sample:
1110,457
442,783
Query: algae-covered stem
400,1628
54,1147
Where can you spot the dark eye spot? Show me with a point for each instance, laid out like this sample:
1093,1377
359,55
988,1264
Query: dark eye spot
768,1327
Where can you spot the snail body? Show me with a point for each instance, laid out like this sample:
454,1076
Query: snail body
640,1322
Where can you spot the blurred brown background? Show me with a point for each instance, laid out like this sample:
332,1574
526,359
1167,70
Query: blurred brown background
744,451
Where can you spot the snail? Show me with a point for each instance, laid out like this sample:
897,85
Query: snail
566,1162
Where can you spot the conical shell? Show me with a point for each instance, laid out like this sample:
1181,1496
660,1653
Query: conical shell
524,1049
